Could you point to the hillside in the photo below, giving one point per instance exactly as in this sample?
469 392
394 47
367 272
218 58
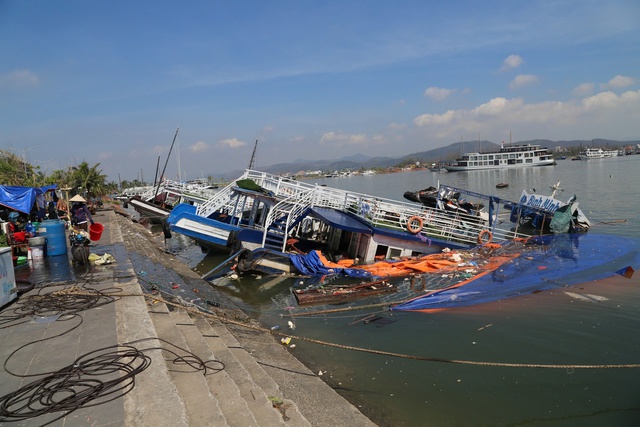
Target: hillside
442 154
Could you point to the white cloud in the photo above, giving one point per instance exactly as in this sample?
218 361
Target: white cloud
511 61
522 80
231 143
584 89
397 126
198 147
19 79
602 113
619 82
343 139
438 93
608 101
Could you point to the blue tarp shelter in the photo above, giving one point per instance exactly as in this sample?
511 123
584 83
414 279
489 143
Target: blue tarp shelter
22 199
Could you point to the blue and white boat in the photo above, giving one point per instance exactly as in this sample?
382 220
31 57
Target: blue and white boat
264 213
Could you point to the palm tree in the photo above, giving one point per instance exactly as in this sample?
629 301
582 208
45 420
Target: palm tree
89 178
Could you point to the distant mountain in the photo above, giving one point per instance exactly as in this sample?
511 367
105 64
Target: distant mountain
442 154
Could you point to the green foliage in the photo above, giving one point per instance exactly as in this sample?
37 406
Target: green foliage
83 179
15 171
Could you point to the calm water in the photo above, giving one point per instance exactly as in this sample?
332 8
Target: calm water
546 328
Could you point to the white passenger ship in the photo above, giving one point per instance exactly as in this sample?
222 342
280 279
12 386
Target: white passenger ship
511 156
598 153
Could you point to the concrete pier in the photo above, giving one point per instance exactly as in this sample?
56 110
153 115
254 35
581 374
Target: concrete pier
98 351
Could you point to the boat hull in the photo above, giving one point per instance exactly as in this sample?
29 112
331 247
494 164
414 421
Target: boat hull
207 232
453 168
154 213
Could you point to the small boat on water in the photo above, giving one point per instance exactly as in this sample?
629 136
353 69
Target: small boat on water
502 185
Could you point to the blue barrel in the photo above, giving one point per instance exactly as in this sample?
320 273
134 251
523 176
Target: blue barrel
54 231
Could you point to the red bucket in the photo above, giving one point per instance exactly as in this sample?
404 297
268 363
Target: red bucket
95 231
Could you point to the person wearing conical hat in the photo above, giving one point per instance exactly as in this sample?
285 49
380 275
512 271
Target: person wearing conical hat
80 212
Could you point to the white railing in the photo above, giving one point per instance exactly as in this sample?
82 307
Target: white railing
292 208
376 211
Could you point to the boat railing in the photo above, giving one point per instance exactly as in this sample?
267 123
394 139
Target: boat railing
378 212
289 209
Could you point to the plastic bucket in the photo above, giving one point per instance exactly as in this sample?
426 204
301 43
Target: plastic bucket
37 252
36 241
95 231
54 231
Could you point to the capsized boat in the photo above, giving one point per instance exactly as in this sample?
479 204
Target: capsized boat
156 203
268 216
491 272
533 214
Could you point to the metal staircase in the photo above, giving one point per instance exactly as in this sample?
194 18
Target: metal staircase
282 218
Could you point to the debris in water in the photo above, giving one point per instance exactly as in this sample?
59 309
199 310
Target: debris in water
626 272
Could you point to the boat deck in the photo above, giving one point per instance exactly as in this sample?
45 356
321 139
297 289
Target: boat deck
295 198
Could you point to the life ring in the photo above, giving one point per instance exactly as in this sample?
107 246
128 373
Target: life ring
481 237
414 224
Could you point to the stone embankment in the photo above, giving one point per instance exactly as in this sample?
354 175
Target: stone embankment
249 380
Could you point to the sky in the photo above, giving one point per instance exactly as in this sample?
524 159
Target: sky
111 82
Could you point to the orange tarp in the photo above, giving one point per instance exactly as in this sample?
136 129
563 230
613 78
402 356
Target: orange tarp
434 263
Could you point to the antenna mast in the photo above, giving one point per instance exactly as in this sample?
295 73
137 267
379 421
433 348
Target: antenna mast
253 155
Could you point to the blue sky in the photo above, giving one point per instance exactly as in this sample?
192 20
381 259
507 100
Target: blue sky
109 82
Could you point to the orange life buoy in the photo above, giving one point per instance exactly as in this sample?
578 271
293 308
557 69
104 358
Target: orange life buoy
414 224
481 237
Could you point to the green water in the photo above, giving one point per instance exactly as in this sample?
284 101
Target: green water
549 327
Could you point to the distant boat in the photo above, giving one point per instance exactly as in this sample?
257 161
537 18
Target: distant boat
599 153
437 167
502 185
511 156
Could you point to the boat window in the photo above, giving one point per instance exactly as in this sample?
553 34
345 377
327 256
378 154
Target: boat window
395 253
381 250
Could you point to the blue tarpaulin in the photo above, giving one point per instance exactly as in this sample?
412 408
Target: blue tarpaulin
311 265
22 199
556 261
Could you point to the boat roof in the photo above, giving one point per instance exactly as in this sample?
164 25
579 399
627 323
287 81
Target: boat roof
339 219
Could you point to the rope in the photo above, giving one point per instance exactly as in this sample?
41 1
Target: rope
81 383
387 353
94 378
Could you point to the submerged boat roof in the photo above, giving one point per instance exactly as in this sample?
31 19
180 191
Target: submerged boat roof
339 219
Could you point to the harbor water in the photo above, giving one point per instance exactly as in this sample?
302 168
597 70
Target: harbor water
551 327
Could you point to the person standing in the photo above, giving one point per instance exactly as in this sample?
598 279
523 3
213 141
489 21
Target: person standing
80 213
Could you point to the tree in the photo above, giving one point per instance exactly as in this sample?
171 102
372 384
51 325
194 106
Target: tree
15 171
89 178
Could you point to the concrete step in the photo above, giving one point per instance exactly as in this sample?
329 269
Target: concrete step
259 402
221 384
201 406
154 400
259 375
